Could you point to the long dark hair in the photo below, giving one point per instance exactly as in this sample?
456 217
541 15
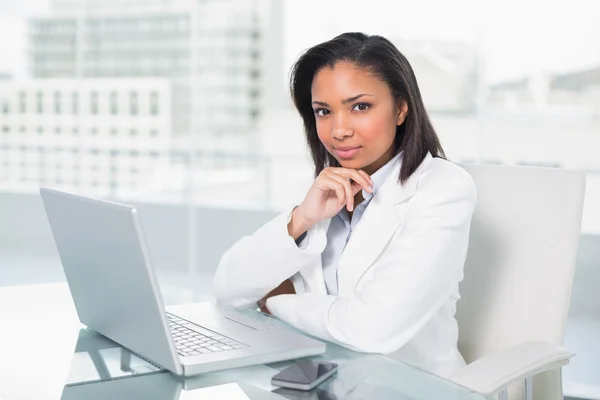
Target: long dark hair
415 137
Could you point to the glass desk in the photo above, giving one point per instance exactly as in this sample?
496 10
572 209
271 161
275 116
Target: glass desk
47 353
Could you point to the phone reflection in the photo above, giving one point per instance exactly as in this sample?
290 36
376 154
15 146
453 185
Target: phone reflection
315 394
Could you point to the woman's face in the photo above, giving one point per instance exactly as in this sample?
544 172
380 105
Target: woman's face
356 116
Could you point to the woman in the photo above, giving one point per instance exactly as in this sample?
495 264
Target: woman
372 257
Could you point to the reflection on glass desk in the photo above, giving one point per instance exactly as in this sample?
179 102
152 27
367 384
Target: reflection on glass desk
97 358
101 369
45 352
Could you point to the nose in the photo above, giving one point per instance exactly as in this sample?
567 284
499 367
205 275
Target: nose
341 128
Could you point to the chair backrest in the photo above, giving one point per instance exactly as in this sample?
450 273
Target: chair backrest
521 258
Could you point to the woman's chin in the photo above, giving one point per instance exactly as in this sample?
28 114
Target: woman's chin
352 164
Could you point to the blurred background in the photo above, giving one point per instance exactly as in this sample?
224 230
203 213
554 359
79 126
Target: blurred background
181 107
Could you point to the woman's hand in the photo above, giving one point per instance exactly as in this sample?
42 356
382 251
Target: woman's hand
286 287
333 189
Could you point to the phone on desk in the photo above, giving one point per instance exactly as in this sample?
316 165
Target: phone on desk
304 374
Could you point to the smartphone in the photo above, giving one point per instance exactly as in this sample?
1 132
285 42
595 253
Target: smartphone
304 374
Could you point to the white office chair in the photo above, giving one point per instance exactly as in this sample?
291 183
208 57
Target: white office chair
518 278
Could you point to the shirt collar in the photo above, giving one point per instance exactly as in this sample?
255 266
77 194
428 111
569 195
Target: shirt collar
380 176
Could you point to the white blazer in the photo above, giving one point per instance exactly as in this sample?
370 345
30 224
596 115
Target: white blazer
398 275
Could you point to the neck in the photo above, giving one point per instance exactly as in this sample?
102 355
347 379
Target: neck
358 198
380 162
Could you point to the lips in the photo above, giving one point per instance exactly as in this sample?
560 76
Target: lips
346 152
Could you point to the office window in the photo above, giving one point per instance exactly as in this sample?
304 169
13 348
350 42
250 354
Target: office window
40 102
22 102
94 103
75 103
114 105
57 105
154 103
133 103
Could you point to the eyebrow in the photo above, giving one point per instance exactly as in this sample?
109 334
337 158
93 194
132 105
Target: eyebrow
345 101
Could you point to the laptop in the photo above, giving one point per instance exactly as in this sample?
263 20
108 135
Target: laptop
116 293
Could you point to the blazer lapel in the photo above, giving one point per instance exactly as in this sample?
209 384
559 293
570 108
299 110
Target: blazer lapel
381 219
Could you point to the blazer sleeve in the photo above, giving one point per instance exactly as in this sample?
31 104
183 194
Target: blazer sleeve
258 263
412 279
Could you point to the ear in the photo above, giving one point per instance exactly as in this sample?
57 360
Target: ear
402 112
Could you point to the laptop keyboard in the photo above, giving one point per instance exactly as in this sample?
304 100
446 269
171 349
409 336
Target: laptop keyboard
196 341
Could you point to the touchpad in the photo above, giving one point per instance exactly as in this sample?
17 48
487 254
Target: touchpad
240 323
207 316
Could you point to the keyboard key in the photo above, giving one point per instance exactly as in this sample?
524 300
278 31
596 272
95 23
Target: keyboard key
190 338
199 329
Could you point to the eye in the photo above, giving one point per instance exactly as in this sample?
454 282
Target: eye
321 112
361 106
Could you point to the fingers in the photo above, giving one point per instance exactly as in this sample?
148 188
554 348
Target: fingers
356 187
262 305
341 186
349 196
329 183
345 182
358 176
367 177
